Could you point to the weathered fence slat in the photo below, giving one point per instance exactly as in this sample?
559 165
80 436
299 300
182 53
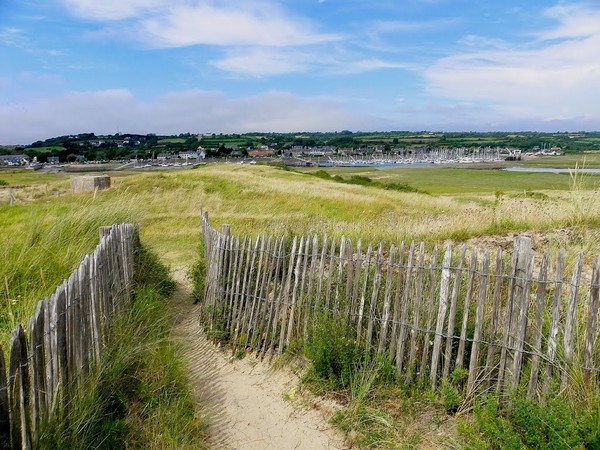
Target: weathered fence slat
430 314
540 307
19 391
417 307
508 331
231 277
297 272
329 277
396 302
452 312
258 302
490 365
238 297
4 403
280 299
403 310
555 321
570 325
363 295
474 368
314 258
38 366
439 324
374 297
302 297
386 301
466 310
523 284
592 323
288 286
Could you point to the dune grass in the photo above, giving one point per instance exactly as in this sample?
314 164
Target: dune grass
44 238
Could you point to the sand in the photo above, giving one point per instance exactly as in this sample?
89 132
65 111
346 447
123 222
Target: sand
249 404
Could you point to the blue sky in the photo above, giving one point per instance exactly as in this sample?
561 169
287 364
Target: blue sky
141 66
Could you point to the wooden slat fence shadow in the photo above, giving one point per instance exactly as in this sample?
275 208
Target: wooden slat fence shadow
66 336
500 324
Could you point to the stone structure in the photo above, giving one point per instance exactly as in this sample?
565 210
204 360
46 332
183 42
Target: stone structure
90 183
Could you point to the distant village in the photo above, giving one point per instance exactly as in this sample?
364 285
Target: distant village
324 149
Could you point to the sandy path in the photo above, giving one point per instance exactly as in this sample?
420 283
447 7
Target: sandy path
244 399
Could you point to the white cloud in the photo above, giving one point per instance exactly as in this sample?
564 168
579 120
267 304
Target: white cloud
189 111
13 37
244 23
261 61
576 20
112 9
369 65
258 37
543 81
408 26
181 23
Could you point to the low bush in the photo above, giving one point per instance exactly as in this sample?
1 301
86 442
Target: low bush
361 180
525 424
331 346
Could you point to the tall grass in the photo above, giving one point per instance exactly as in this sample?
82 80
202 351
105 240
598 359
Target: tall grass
138 396
39 247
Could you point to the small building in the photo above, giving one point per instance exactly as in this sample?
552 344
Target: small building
14 160
189 155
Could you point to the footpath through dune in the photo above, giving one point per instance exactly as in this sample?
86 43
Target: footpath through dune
250 405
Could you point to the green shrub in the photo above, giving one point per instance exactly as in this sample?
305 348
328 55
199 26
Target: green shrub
525 424
2 182
322 174
450 396
360 180
331 346
402 187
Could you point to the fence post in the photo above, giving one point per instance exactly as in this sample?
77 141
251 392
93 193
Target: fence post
4 406
439 326
592 323
19 391
569 336
520 305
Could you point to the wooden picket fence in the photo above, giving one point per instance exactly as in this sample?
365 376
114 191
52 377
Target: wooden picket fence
65 338
510 321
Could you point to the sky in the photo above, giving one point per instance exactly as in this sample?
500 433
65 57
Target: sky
221 66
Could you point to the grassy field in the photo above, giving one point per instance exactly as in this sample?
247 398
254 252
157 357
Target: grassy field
49 229
461 204
454 181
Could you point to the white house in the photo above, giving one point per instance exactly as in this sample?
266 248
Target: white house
14 160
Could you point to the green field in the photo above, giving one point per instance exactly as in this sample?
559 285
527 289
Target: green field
171 141
466 181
